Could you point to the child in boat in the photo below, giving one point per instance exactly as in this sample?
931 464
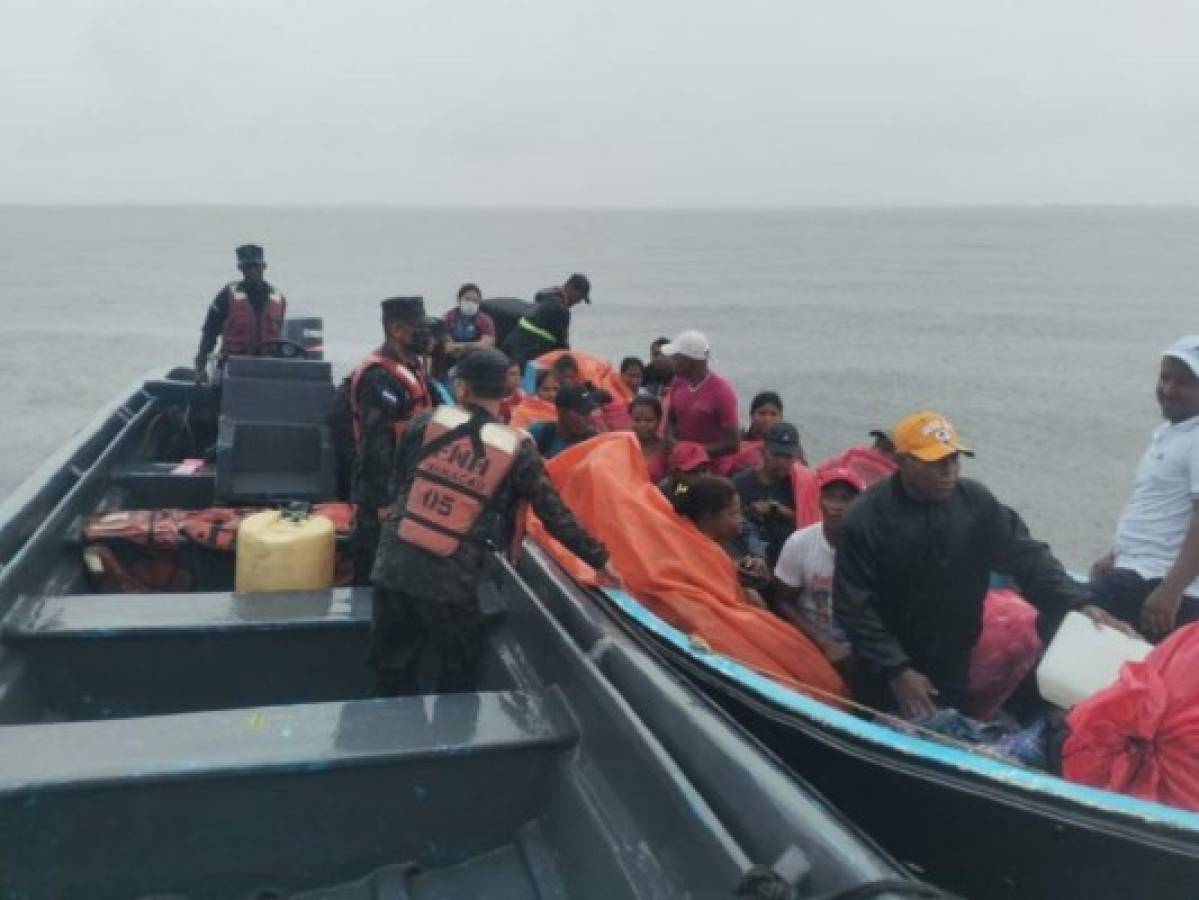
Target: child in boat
515 395
566 368
632 373
804 572
767 492
645 413
765 411
547 385
687 462
711 503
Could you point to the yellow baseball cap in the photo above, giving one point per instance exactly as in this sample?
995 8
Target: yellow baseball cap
928 436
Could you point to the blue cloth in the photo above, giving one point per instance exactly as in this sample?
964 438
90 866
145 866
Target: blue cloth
1004 736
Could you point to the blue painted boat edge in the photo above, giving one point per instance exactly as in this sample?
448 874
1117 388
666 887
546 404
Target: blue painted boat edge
825 715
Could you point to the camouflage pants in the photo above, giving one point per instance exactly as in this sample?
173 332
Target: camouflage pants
364 543
425 645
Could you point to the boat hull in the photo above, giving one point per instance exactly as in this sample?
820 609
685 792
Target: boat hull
976 834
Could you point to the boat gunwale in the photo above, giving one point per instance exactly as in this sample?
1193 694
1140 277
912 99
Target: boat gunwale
36 491
1144 821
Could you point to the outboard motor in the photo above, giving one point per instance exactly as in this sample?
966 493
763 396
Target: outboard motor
273 436
309 333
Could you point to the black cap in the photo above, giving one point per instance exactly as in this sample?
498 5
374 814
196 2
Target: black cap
782 438
486 371
578 399
581 285
409 310
250 253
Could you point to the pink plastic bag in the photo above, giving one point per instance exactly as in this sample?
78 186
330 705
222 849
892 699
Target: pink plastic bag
1006 652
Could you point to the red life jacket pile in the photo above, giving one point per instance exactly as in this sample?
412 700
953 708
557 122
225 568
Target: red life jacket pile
1141 735
172 550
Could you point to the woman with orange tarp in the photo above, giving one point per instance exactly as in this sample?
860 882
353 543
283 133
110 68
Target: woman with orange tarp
669 566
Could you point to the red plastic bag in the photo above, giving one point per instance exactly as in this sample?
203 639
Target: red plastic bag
1006 652
1141 735
867 464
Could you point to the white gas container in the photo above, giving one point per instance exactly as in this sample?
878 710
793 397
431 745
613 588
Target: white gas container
1084 658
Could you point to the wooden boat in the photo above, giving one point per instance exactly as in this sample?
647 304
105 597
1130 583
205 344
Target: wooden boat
970 822
212 744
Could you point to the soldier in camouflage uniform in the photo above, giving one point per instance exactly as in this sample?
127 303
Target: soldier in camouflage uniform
462 477
387 390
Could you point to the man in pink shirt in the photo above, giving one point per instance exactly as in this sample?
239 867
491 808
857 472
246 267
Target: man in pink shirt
702 405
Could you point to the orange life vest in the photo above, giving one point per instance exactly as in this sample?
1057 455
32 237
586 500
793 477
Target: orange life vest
244 328
413 381
462 466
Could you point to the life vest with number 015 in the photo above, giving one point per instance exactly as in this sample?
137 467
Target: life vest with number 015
414 383
244 328
463 461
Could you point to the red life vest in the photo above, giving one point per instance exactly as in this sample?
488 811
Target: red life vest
413 381
453 484
245 329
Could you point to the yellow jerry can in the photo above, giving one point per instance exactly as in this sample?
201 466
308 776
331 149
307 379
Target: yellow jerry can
285 551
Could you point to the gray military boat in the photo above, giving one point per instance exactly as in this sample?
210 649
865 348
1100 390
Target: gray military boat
199 743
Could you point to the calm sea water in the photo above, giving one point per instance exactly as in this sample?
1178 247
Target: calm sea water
1037 331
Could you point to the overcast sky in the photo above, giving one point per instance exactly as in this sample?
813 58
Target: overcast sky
600 103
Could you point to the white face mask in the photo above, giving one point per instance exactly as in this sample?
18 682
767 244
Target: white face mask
469 307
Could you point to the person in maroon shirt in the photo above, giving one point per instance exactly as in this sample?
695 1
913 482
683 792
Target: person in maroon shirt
702 405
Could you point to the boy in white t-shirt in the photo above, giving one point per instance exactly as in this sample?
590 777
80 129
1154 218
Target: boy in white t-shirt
804 571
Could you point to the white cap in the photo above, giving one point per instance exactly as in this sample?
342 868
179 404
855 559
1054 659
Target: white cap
691 344
1187 350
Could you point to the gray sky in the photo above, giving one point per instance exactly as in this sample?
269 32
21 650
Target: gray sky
607 102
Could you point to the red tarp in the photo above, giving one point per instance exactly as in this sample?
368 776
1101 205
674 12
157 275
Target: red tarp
1141 735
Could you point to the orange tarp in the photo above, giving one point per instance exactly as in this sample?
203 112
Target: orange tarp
594 369
532 409
669 566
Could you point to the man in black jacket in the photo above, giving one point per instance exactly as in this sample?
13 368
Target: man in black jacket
547 326
914 566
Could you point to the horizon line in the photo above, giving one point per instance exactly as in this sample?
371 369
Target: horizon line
606 208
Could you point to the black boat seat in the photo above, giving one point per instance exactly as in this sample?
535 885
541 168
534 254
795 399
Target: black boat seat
273 438
155 485
111 616
106 656
283 798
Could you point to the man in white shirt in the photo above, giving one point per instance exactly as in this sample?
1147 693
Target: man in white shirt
804 571
1149 579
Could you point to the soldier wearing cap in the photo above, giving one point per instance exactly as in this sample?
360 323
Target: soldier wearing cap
245 314
387 390
547 326
914 565
1151 577
462 476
